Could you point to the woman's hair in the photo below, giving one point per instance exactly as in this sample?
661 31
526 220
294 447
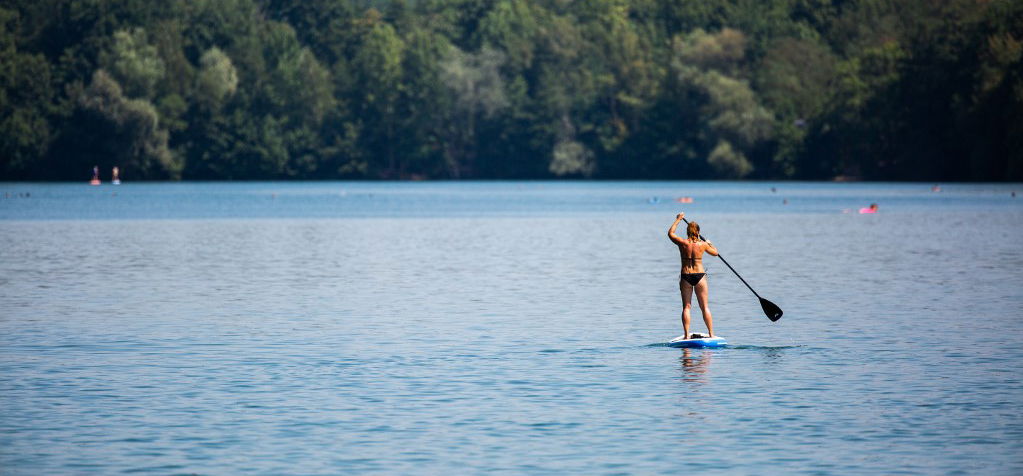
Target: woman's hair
693 231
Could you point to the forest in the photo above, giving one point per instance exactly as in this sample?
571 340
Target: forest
928 90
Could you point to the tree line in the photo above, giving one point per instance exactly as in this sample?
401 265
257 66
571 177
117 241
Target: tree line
512 89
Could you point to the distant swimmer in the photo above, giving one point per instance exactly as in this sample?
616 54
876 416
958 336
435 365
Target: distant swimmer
693 276
935 188
871 209
684 199
116 176
95 175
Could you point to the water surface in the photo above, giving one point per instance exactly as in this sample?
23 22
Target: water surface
516 327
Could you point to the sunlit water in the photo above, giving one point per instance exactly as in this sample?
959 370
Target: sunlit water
327 328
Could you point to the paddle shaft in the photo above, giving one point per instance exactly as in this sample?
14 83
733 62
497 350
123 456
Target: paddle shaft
722 258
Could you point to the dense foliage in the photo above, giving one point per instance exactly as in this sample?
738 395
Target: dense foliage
667 89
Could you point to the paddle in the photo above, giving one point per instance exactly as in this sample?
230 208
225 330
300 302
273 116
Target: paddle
773 312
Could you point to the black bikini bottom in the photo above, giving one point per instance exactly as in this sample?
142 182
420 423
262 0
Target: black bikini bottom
693 278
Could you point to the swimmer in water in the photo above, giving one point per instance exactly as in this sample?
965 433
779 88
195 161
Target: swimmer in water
872 209
693 276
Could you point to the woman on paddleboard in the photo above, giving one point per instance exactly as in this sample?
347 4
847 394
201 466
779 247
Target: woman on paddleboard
693 275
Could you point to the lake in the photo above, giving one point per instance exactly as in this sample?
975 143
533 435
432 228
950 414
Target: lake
507 327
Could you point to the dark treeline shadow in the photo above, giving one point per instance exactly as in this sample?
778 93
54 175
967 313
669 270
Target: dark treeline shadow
512 89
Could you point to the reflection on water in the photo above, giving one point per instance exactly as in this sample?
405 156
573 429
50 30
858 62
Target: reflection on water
695 364
773 355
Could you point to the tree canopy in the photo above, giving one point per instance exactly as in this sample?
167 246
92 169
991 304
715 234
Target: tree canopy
484 89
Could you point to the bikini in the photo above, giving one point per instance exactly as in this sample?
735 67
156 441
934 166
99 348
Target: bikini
692 278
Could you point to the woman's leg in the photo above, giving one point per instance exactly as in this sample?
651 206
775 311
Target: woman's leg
687 302
701 296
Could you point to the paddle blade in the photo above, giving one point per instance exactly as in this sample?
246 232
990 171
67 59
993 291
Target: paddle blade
773 312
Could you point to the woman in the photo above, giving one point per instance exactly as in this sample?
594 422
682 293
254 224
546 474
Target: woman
693 275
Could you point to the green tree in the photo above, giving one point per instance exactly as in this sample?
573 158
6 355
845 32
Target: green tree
794 80
268 89
735 122
217 79
134 63
378 72
26 103
131 133
477 88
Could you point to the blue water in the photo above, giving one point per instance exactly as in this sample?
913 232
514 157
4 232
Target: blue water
510 327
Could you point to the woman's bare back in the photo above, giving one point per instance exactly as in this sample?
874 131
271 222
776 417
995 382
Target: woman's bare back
691 253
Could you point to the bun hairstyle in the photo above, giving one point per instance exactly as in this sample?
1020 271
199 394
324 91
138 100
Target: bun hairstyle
693 231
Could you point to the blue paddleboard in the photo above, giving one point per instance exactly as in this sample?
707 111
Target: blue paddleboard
698 342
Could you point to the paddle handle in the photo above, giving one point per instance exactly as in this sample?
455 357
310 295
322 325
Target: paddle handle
722 258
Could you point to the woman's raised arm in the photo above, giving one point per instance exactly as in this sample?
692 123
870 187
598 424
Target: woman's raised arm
671 231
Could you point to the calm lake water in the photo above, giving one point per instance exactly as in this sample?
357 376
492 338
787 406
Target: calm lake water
509 327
